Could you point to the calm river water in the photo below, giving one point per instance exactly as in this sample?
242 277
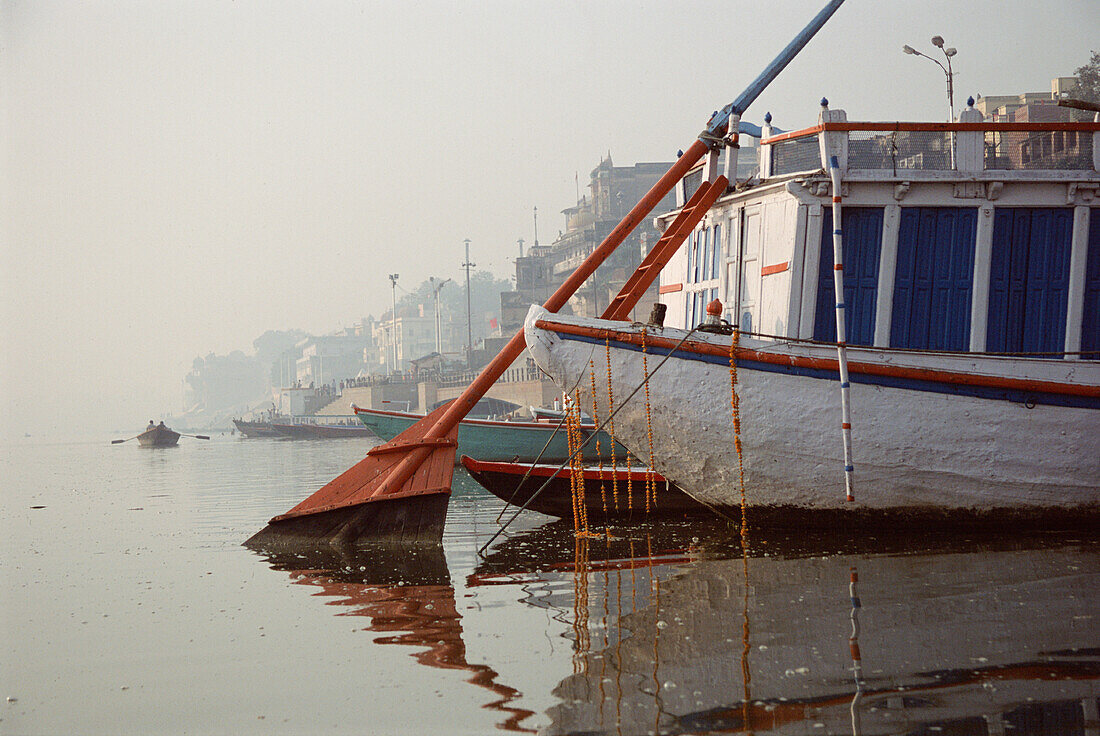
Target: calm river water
129 606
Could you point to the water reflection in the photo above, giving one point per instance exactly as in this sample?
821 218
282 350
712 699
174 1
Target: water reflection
827 634
673 629
407 598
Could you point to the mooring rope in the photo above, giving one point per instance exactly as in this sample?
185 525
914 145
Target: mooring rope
611 411
599 455
571 445
578 461
735 406
650 483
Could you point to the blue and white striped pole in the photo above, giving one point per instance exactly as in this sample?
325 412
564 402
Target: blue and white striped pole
841 331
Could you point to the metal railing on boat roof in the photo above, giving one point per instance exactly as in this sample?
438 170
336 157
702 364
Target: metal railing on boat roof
965 147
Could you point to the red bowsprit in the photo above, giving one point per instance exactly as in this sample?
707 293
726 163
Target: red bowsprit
397 493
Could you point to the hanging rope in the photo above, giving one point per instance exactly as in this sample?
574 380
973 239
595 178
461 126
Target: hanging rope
735 406
578 462
611 427
596 422
650 482
571 444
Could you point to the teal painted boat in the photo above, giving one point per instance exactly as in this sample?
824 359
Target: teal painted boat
498 441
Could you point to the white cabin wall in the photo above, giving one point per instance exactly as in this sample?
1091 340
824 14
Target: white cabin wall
979 297
798 260
780 215
730 280
811 262
671 290
748 316
1075 299
887 270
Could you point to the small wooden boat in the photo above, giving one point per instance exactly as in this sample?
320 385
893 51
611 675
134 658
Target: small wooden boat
506 482
492 440
158 436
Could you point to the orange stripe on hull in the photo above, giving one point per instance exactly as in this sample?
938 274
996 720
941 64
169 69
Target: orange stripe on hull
830 364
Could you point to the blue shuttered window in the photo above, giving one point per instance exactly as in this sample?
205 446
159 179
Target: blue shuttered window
862 236
1090 322
1029 280
934 278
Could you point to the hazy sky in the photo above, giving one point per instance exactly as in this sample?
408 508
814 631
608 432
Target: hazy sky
179 177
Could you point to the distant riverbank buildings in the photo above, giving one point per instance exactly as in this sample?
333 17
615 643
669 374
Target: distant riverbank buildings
612 192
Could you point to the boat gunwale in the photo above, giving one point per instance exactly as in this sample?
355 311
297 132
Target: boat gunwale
546 470
702 347
483 422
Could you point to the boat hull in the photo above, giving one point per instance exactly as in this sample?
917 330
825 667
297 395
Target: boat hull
958 436
321 431
608 495
489 440
255 429
158 437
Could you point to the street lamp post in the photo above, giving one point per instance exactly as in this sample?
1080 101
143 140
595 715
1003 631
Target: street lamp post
949 52
438 334
393 319
469 330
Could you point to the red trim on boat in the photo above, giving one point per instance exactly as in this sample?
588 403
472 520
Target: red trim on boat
670 288
416 417
873 369
776 268
547 471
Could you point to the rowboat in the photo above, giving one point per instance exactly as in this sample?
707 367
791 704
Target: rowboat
491 440
611 493
158 436
964 385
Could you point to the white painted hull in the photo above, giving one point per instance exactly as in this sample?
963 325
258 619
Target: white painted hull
915 449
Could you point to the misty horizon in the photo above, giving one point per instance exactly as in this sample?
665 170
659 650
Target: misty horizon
180 177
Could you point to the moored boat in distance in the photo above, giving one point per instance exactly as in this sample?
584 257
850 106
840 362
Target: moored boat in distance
492 440
308 430
256 428
612 494
970 317
158 436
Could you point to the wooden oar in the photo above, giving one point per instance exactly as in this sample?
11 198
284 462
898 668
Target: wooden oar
196 436
119 442
400 490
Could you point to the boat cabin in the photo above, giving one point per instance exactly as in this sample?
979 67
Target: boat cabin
968 236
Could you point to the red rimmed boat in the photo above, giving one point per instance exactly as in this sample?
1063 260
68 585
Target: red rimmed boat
507 482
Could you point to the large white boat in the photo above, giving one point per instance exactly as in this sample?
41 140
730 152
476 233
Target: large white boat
971 305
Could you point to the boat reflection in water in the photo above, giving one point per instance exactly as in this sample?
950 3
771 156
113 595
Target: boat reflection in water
410 600
673 630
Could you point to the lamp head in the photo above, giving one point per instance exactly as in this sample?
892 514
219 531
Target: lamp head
908 49
937 41
950 51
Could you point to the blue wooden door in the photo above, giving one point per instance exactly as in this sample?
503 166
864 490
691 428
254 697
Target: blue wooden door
862 234
934 278
1029 280
1090 321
